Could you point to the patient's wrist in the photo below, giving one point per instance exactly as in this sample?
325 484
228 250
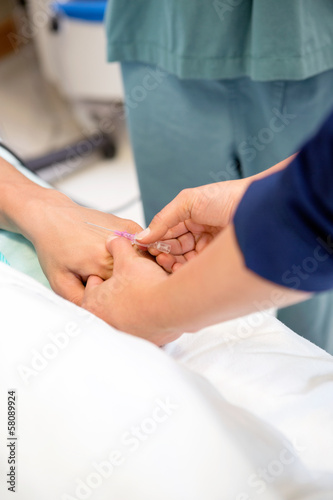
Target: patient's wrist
18 194
24 204
42 205
14 208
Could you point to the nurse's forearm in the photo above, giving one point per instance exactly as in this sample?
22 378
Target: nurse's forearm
279 166
224 288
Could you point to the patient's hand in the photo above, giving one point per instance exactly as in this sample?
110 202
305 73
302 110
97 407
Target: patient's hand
68 249
127 300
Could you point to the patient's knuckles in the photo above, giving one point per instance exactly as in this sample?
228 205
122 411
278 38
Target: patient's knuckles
125 225
133 227
56 283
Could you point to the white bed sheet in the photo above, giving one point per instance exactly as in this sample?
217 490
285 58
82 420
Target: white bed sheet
84 391
259 364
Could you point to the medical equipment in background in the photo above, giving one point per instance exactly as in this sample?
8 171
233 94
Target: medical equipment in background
71 47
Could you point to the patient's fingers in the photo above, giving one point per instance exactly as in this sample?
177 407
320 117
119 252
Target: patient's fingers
171 262
186 243
167 261
70 287
179 246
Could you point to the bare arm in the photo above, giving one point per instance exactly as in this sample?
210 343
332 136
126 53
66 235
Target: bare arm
276 168
68 249
216 286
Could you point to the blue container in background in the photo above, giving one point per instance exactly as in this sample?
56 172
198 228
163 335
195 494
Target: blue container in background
86 10
79 45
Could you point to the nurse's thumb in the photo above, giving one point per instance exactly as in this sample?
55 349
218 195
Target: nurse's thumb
171 215
92 282
120 248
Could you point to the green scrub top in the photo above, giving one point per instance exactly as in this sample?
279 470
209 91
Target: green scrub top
217 39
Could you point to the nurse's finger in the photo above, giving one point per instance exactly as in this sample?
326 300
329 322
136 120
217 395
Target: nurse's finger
121 250
184 227
177 211
176 231
203 241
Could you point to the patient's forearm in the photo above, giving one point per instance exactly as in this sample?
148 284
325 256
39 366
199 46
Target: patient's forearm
21 200
17 194
224 288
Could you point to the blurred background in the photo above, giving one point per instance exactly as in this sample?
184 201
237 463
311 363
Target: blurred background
61 103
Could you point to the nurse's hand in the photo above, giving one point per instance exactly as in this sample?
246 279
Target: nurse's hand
196 216
193 219
127 300
69 250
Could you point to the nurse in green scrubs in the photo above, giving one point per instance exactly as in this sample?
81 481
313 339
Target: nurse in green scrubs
217 90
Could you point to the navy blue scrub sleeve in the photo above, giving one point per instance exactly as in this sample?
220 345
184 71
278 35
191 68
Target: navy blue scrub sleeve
284 223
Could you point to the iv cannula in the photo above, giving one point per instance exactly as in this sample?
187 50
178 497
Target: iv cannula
159 245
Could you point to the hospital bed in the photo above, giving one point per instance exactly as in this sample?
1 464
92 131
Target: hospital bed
242 410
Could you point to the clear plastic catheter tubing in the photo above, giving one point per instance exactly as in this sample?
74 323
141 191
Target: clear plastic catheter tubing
161 246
